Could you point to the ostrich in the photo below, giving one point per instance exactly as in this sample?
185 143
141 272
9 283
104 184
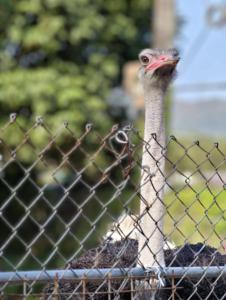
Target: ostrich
156 72
146 247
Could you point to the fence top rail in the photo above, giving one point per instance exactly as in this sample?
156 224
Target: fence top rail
94 274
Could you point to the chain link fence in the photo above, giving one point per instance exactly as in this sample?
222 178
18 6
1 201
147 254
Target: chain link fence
69 215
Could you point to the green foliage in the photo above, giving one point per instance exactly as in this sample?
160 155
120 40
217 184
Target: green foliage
196 204
59 58
196 214
186 154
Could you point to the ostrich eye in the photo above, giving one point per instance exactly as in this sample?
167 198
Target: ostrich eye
144 59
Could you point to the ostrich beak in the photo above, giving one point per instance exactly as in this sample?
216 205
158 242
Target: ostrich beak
161 61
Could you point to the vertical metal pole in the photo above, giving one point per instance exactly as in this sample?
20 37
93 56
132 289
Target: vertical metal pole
173 288
109 286
84 288
132 287
25 289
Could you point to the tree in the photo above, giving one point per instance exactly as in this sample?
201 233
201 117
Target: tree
59 58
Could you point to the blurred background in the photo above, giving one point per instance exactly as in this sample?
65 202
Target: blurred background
76 61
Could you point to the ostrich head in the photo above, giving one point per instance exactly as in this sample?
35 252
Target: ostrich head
157 67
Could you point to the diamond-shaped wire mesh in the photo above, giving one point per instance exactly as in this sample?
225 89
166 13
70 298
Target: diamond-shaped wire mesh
71 202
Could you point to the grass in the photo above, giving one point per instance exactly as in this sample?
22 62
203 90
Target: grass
196 214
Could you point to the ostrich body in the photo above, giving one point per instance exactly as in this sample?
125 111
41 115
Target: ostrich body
107 255
156 72
126 228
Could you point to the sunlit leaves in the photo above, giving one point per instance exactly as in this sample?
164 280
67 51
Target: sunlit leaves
60 58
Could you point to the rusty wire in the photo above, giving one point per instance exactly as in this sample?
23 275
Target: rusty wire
66 197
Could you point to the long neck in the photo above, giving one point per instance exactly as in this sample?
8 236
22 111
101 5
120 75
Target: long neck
152 182
154 114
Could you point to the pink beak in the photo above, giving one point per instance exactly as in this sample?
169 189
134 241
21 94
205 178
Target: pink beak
161 61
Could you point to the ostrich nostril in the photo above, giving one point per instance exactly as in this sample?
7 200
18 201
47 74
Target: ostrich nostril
162 58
